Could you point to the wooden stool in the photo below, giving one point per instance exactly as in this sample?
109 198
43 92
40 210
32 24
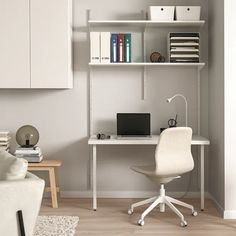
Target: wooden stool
51 167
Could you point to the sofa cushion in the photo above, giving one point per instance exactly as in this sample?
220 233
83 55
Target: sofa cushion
12 168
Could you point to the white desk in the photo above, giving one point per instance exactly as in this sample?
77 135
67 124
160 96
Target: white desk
196 140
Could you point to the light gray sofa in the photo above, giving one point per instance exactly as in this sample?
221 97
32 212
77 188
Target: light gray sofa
20 195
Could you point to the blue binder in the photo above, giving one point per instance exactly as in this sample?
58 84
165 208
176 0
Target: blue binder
114 48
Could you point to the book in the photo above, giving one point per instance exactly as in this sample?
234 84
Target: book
121 48
28 152
4 143
127 47
114 48
95 47
28 148
105 47
4 133
33 159
4 139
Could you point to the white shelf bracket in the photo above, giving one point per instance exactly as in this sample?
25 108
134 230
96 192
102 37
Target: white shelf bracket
144 79
144 83
198 120
198 100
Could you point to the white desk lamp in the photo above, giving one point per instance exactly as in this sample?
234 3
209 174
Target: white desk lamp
186 105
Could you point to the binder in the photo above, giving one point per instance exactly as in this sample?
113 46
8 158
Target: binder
128 47
95 47
121 48
105 47
114 48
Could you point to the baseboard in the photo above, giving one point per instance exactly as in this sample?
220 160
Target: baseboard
124 194
229 215
219 208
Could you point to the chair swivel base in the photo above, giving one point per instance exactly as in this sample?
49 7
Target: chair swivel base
162 200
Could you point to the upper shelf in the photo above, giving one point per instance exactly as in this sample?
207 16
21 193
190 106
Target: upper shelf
166 64
146 23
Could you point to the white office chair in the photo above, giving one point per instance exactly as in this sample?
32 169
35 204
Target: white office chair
172 158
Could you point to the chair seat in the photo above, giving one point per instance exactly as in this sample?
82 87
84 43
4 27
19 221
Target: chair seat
150 172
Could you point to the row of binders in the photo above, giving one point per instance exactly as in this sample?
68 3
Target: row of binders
4 141
107 47
31 154
184 47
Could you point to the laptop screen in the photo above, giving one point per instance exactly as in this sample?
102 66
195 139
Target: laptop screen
133 124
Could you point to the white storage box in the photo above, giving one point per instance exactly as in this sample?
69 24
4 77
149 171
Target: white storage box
161 13
188 13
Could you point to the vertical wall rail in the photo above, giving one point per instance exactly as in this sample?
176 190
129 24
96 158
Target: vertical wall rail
144 58
144 82
90 79
90 103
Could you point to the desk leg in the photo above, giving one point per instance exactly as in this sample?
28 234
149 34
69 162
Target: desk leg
202 177
94 177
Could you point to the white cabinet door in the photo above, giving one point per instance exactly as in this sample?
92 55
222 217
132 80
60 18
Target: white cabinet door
51 44
14 44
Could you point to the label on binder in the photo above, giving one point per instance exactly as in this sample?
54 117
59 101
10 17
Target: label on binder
105 47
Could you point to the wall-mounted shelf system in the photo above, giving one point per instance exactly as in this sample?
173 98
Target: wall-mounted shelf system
142 25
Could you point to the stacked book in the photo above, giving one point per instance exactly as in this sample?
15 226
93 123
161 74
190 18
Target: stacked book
184 47
31 154
107 47
4 141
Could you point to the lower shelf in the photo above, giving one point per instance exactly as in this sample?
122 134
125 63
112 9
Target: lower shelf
167 64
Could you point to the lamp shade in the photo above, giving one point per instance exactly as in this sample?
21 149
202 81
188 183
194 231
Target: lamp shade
27 136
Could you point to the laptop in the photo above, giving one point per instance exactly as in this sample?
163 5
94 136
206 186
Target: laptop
133 125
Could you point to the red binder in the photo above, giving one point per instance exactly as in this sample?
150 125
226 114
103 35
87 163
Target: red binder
121 48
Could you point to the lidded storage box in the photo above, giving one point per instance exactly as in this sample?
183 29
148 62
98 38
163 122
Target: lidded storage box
161 13
188 13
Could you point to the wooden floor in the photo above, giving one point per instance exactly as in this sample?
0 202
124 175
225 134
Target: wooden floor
111 218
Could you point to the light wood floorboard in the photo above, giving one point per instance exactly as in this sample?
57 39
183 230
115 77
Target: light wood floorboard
111 218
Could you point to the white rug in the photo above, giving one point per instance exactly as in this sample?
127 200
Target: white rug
56 225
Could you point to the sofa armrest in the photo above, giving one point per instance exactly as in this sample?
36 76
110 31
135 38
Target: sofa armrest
25 195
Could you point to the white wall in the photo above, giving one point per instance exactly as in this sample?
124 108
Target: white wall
61 116
216 101
230 110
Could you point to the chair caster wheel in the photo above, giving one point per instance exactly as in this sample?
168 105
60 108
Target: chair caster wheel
141 222
130 212
183 223
194 213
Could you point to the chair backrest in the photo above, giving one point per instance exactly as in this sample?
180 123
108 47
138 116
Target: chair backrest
173 153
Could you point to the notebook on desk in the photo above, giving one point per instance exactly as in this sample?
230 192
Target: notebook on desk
133 125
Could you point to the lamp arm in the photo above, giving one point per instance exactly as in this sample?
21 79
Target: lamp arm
186 106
